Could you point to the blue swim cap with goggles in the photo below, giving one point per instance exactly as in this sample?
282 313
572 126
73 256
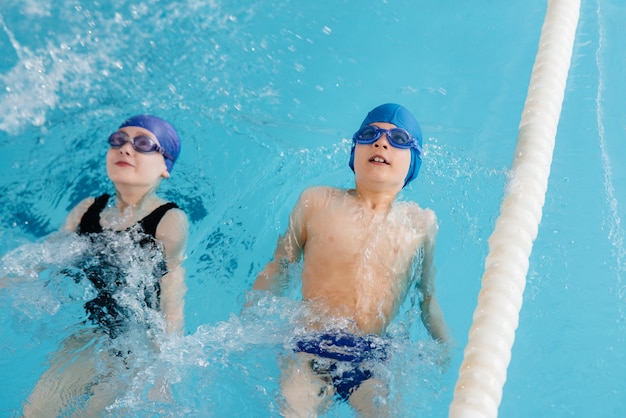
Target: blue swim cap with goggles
162 130
408 134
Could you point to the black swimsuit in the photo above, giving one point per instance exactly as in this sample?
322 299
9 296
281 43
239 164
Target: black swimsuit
117 258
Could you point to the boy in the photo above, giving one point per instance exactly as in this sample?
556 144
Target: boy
362 252
137 244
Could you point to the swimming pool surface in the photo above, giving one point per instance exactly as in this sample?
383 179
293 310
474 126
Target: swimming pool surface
264 95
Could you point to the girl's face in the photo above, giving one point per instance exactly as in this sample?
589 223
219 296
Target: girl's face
127 166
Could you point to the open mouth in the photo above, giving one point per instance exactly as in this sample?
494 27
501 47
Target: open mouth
378 159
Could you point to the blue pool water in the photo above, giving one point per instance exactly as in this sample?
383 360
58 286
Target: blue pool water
264 94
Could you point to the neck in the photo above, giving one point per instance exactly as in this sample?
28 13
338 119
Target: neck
377 200
134 198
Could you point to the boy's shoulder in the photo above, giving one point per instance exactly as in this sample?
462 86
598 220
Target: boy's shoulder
413 211
413 207
315 198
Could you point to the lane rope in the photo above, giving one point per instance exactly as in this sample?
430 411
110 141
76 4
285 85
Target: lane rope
482 374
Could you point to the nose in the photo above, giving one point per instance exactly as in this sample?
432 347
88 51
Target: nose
382 141
125 149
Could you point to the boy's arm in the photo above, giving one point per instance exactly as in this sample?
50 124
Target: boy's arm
288 249
173 232
432 316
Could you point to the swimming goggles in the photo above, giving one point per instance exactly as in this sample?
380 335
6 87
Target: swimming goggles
397 137
141 143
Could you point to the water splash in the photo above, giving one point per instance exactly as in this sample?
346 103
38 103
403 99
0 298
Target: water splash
614 221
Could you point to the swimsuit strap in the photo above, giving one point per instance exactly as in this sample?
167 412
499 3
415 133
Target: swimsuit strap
150 222
90 222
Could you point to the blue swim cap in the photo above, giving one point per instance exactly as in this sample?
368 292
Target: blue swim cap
402 118
164 132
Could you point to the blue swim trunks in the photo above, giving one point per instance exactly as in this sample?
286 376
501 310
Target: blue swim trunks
344 360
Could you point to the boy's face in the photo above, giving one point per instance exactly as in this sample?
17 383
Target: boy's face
127 166
380 162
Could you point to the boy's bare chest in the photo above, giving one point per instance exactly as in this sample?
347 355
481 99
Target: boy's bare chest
342 236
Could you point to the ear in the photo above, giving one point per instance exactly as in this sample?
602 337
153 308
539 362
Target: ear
165 174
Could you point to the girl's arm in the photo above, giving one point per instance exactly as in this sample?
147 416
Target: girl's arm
173 232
